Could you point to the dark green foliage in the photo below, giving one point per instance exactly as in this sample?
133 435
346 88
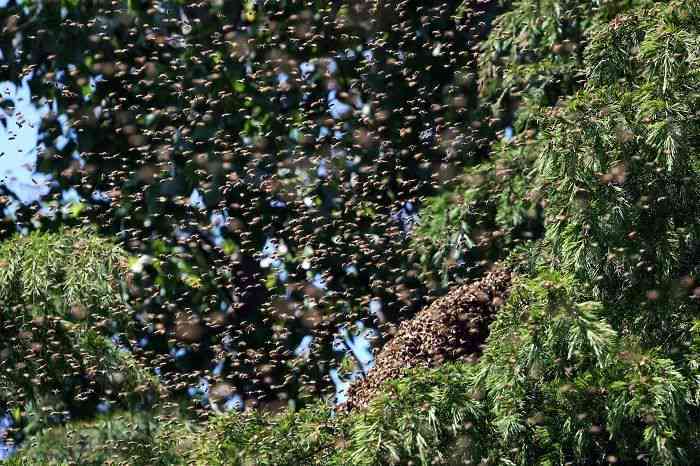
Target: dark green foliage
428 416
495 210
531 61
535 54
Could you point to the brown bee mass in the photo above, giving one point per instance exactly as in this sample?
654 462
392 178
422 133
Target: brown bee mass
453 327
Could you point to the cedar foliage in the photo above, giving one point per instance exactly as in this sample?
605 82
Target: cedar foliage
61 304
595 356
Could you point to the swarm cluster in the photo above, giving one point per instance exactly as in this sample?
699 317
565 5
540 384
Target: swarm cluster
453 328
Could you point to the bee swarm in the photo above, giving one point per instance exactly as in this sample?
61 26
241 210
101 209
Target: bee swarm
454 327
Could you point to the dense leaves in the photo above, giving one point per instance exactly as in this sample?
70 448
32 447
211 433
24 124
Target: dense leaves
61 305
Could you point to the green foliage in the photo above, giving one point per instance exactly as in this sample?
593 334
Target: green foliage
620 169
61 304
556 385
58 272
590 382
429 417
254 438
532 60
534 54
125 439
563 386
494 211
567 387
